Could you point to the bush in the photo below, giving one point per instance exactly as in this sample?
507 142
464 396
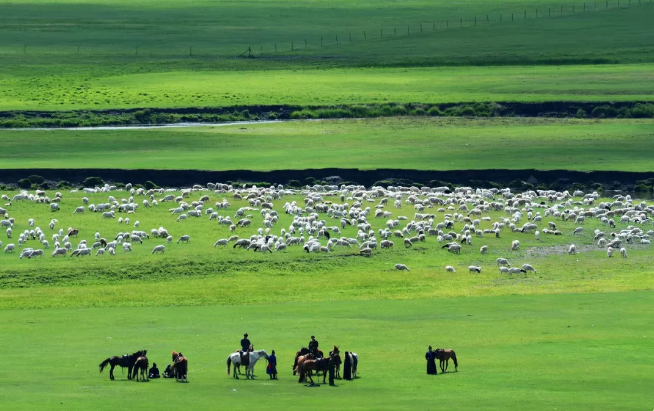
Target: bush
643 111
25 183
143 116
466 111
604 112
44 186
581 113
93 182
150 185
36 179
64 184
310 180
642 188
294 184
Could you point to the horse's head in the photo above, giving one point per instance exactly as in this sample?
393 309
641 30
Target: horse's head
263 353
175 355
336 349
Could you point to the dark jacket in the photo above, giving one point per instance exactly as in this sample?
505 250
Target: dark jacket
245 344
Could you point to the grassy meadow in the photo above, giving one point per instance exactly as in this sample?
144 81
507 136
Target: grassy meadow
407 143
526 352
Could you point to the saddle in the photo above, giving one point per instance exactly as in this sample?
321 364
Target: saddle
245 357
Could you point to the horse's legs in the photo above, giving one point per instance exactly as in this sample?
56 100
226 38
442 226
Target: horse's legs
111 372
234 373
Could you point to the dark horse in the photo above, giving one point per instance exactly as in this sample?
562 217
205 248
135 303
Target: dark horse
444 357
180 366
303 352
125 361
141 364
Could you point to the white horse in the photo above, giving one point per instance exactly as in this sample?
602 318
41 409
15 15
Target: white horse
254 357
354 358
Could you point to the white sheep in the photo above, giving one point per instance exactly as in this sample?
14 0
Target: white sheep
100 252
609 252
136 223
78 210
483 249
169 239
528 267
184 239
516 270
515 245
503 261
450 269
623 251
572 250
127 247
182 217
504 270
474 269
59 251
222 241
578 230
402 267
159 249
537 234
30 222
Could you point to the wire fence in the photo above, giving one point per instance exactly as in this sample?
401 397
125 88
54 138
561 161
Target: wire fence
285 47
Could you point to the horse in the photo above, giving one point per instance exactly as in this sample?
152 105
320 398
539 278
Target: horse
355 362
254 356
141 364
444 356
307 364
336 356
180 366
124 361
303 352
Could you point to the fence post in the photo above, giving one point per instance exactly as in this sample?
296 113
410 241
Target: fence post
447 24
433 25
365 36
395 31
320 41
511 16
336 39
261 53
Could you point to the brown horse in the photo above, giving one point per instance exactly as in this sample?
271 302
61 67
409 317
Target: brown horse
302 353
444 356
336 356
141 364
307 365
124 361
180 366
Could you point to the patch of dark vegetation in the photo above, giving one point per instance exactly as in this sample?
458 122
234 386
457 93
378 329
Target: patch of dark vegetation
162 116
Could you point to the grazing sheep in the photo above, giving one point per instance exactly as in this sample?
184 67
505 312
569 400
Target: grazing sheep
159 249
386 244
504 270
537 234
516 270
453 248
366 252
54 207
407 243
609 252
474 269
528 267
169 239
515 245
503 261
572 250
78 210
450 269
222 241
401 267
623 251
483 249
59 251
184 239
100 251
578 230
127 247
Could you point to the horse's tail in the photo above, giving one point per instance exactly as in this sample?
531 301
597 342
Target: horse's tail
104 364
300 370
456 364
229 364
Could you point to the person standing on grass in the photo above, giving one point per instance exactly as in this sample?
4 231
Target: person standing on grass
431 362
272 366
332 368
347 367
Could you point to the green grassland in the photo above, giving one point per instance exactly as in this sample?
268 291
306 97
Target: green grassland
41 69
407 143
581 351
203 275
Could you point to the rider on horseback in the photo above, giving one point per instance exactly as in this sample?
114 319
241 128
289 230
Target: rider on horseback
246 348
313 346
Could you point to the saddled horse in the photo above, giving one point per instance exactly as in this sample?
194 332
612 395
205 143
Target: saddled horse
303 352
444 356
253 357
141 364
180 366
124 361
307 364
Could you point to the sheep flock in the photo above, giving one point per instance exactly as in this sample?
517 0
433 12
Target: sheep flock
327 220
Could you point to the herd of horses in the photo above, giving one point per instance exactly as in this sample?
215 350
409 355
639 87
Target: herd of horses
137 364
306 363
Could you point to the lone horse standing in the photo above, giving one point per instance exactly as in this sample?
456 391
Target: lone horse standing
444 356
253 357
124 361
